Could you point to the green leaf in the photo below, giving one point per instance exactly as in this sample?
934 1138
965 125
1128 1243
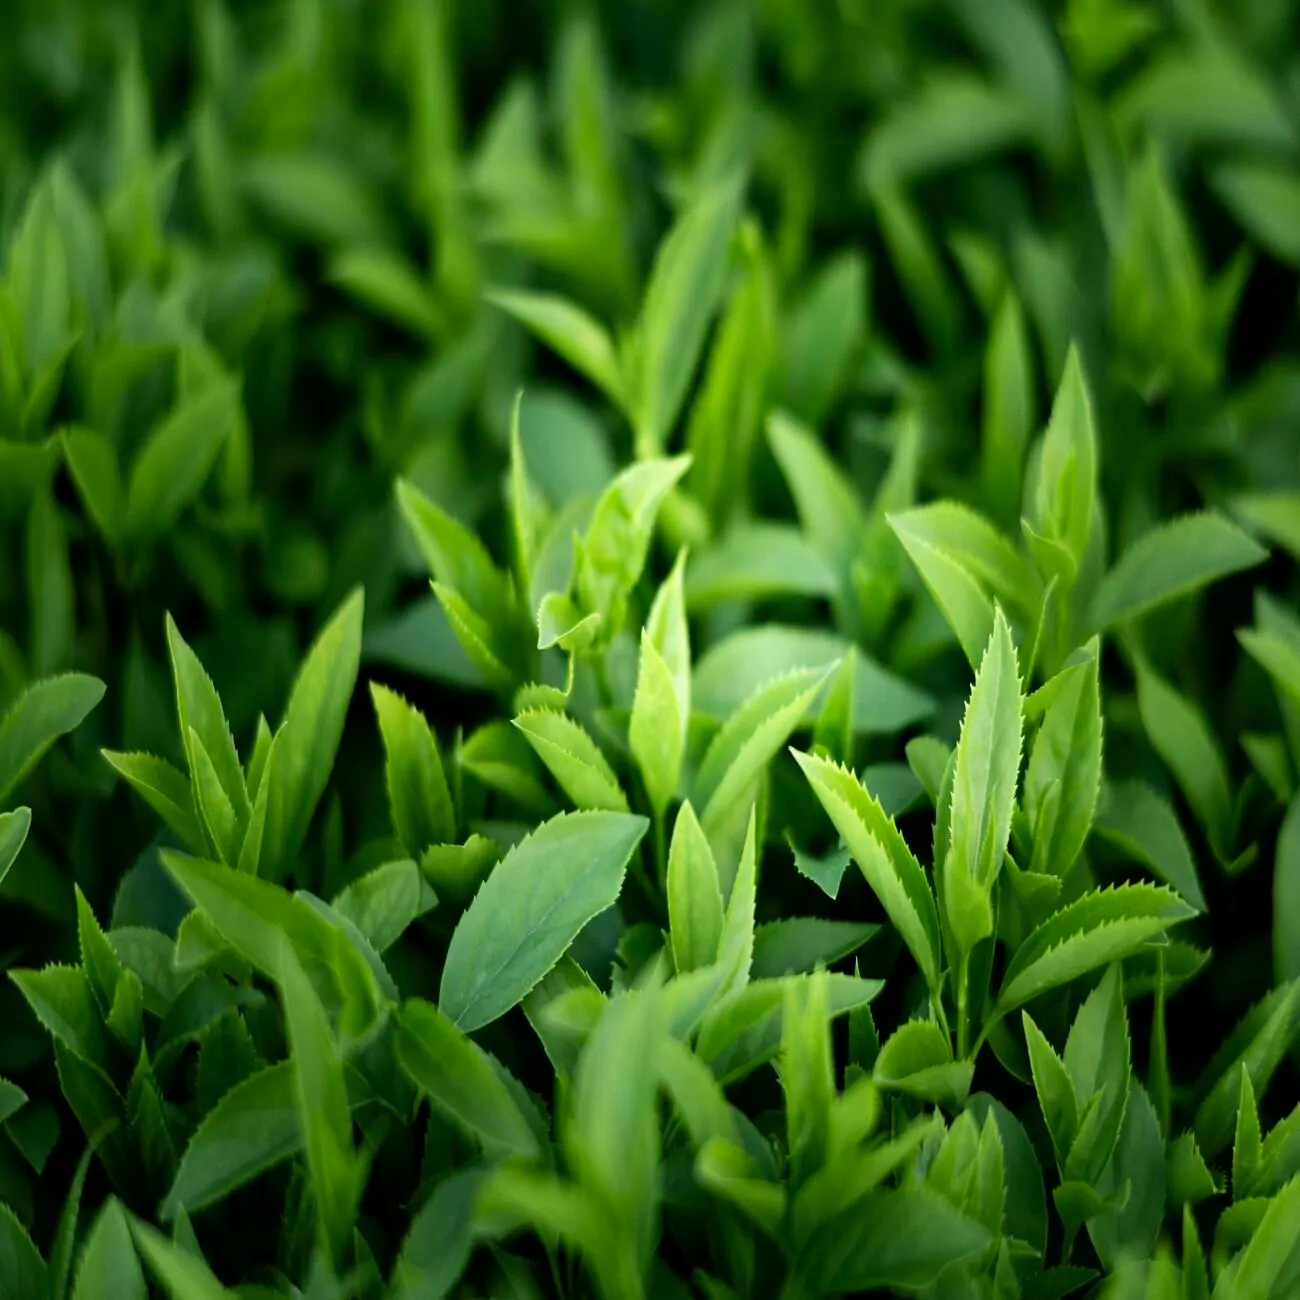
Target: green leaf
176 458
694 895
1286 897
337 1172
93 464
252 915
831 512
807 1075
109 1268
438 1242
1008 412
573 758
457 870
1188 1176
1168 562
165 790
565 327
611 554
827 871
184 1275
22 1270
463 1082
682 294
1064 772
419 801
530 909
884 858
387 283
252 1128
889 1239
986 769
1205 93
917 1059
758 561
749 740
735 667
1056 1096
657 728
1180 735
1099 928
63 1000
1264 196
1097 1058
960 598
43 712
1257 1045
13 835
825 329
1136 820
1274 514
800 944
1066 494
385 901
1269 1258
309 736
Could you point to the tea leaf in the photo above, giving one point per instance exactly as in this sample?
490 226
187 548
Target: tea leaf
460 1079
529 910
1134 818
1286 898
165 790
418 798
694 895
884 858
1099 928
309 736
109 1268
42 713
1169 562
573 758
13 835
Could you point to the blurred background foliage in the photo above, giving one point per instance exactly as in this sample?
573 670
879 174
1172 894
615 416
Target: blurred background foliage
247 252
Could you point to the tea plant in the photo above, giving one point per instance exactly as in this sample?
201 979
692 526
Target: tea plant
640 754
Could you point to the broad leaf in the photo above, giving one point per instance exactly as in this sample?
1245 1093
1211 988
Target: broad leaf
41 714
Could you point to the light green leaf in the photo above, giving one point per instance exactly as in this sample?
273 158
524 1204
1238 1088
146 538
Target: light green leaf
43 712
1180 735
337 1171
462 1081
309 736
830 508
530 909
175 460
184 1275
573 758
1064 772
917 1059
419 801
750 739
759 561
682 294
165 790
1008 409
253 915
1275 514
694 895
1055 1089
656 730
109 1268
1066 494
385 901
565 327
1269 1258
1101 927
733 668
1168 562
985 773
884 858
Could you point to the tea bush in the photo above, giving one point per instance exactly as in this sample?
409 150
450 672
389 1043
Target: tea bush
650 649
